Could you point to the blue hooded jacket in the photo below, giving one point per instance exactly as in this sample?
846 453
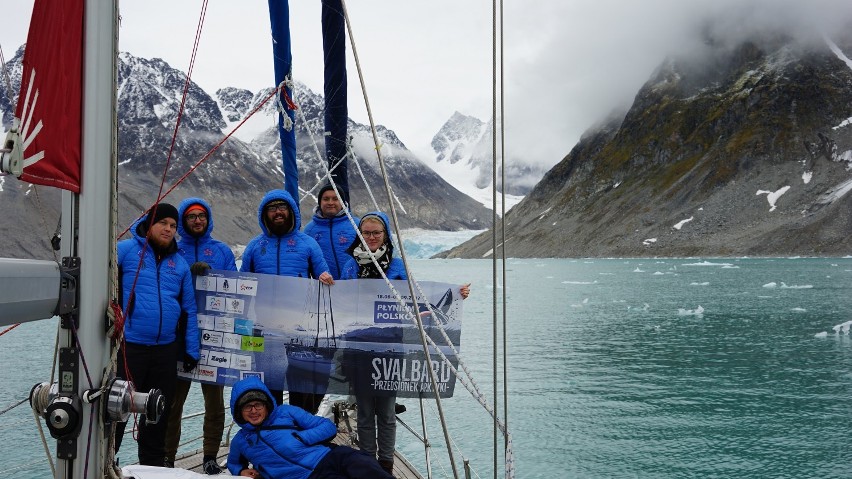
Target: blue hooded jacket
163 290
396 268
203 248
287 444
292 254
334 235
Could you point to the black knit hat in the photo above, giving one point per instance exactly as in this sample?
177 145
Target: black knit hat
253 395
325 188
164 210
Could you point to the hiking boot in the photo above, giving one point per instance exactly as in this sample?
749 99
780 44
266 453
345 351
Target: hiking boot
398 408
387 466
211 467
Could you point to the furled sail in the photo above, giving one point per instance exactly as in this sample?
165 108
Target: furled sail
48 116
279 17
336 114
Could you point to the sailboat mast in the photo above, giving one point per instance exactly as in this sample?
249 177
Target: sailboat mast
336 113
90 238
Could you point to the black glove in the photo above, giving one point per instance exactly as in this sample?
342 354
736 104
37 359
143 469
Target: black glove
199 268
189 363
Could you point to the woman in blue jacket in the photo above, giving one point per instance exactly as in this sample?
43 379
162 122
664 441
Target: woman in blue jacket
287 442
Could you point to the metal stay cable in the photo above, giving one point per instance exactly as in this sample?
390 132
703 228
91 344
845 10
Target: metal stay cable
432 372
494 223
509 458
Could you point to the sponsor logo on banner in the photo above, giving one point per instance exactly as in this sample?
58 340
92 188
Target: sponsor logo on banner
202 356
251 374
205 321
211 338
205 283
206 373
241 361
219 359
232 341
252 343
247 287
215 303
225 285
234 306
243 326
224 324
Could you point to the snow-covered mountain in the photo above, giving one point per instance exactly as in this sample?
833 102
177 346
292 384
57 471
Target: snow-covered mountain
240 170
463 155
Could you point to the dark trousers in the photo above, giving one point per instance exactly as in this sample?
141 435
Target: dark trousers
307 401
343 462
214 418
151 367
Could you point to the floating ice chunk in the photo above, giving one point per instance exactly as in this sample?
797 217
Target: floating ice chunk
799 310
707 263
637 270
580 282
705 283
796 286
697 312
658 273
821 335
842 328
773 284
730 266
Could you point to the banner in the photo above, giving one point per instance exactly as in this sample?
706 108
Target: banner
297 334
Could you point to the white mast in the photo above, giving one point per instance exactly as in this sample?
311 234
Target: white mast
92 243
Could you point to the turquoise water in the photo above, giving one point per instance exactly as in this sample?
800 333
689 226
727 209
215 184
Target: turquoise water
607 378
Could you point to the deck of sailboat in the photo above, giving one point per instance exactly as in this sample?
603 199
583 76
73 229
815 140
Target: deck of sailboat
402 469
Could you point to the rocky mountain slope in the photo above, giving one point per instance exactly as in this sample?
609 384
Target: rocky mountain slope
237 174
743 149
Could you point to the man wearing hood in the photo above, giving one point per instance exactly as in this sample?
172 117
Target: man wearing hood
331 228
286 441
202 253
283 250
156 289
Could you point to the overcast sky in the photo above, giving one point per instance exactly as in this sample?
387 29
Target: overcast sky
568 62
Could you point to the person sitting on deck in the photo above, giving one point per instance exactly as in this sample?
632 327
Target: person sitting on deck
288 442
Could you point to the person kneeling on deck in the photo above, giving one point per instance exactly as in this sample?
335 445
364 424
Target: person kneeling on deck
288 442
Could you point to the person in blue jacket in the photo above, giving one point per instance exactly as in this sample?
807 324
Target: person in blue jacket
288 442
156 289
377 414
331 228
202 252
283 250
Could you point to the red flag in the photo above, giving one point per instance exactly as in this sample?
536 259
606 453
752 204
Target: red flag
50 101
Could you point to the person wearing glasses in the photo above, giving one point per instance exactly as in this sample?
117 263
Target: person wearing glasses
286 441
331 228
202 252
283 250
377 414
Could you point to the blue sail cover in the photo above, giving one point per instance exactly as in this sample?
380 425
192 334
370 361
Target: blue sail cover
279 17
336 114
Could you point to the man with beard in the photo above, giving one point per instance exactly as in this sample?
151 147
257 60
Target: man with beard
331 228
283 250
156 289
202 252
